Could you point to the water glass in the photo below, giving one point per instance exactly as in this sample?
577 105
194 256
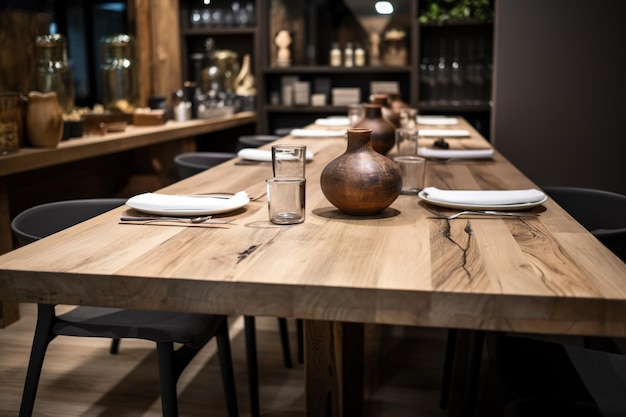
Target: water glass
406 141
286 199
413 172
355 112
289 160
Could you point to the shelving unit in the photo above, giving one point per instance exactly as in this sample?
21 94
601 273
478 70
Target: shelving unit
316 25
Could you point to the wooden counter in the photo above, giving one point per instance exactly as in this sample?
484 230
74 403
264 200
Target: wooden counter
81 149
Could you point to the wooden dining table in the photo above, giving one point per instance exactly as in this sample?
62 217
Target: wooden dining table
405 266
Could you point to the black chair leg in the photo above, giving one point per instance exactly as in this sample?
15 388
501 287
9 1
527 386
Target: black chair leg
448 367
251 358
284 339
115 346
168 377
300 329
226 367
42 338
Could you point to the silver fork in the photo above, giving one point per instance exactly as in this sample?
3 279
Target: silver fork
193 220
484 213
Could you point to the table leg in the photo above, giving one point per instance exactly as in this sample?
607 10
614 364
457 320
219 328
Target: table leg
334 368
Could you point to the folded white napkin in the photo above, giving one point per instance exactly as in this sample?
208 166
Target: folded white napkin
444 133
165 202
333 121
313 133
455 153
494 197
436 120
263 155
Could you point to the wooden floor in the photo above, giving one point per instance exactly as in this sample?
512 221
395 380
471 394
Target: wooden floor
80 377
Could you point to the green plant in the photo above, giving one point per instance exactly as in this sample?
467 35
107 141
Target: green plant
438 11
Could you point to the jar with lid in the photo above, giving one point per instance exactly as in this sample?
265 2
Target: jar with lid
119 73
53 72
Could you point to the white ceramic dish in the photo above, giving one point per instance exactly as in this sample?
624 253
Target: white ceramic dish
465 206
313 133
146 204
444 133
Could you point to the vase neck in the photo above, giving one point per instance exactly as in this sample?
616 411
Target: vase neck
372 111
358 139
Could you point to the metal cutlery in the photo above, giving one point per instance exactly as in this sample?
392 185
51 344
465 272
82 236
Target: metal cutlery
192 220
484 213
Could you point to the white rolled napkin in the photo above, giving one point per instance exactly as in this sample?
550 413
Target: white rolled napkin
152 202
444 133
455 153
316 133
263 155
333 121
484 197
436 120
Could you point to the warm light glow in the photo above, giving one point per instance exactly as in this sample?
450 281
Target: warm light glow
207 2
383 7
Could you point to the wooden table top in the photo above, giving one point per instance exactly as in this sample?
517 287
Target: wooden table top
543 274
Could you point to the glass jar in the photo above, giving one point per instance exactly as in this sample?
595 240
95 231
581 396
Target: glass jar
119 73
10 123
53 72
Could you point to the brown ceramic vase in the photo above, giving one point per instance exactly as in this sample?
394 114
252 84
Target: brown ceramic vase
383 135
388 111
361 182
44 119
396 103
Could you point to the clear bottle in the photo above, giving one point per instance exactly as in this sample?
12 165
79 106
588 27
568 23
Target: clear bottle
359 56
348 55
119 73
53 72
211 75
335 55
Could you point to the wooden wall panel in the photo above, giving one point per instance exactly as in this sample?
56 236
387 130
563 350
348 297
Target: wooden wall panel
17 47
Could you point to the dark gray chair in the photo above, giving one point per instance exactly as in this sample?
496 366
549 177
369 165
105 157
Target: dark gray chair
254 141
192 331
192 163
188 164
600 212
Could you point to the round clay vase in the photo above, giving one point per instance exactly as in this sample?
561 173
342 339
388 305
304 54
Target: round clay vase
389 112
361 182
383 135
44 119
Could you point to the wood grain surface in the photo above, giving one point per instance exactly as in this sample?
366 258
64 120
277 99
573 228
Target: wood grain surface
544 274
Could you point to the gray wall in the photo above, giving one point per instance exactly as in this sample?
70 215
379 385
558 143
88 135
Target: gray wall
560 90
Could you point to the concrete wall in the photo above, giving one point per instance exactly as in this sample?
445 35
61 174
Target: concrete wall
560 90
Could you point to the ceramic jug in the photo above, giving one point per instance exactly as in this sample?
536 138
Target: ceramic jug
44 119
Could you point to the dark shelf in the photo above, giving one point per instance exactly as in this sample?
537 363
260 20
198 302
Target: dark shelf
217 31
455 108
305 109
327 69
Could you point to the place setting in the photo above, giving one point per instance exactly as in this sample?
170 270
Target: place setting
197 210
255 156
500 203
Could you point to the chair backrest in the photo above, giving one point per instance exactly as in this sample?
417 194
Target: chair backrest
600 212
255 141
192 163
43 220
